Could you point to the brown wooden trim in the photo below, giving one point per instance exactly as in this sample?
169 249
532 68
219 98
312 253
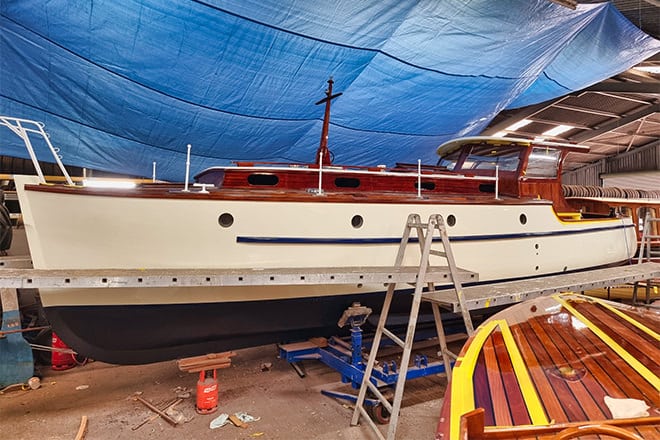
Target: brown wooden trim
289 196
528 431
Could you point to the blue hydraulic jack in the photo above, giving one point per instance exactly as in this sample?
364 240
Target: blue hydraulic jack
347 359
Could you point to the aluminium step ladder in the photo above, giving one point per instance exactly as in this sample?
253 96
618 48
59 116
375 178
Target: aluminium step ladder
425 234
647 254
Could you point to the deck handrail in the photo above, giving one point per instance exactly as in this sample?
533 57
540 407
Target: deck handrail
22 128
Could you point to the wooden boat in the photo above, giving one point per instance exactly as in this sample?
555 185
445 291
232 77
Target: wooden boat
557 367
501 200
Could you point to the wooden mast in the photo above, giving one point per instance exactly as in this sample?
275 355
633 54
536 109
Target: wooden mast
323 153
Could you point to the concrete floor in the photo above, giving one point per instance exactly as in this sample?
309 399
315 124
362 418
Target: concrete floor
290 407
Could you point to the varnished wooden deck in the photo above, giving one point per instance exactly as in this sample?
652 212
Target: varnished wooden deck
540 368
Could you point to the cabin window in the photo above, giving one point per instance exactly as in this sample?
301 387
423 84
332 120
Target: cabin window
357 221
211 176
543 162
451 220
429 186
487 157
347 182
263 179
449 161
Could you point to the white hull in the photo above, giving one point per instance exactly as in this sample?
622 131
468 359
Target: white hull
81 231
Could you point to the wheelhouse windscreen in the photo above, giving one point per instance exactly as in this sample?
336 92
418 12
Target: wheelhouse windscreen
484 157
543 162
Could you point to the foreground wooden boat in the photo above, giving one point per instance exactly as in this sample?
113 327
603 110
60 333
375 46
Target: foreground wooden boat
557 367
501 199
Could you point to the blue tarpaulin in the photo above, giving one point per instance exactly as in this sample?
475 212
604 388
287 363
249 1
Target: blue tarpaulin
121 84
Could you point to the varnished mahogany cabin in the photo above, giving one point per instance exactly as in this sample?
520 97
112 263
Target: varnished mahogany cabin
475 167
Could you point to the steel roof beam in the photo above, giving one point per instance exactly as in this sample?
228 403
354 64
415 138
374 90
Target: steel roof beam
609 126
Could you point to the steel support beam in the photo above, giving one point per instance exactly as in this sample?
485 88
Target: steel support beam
609 126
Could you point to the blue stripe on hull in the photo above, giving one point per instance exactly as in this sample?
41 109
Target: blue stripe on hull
390 240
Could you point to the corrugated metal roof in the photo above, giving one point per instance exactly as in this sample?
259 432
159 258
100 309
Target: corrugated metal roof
612 117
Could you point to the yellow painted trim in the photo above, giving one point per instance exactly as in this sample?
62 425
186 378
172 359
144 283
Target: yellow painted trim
630 359
532 400
462 387
570 215
586 221
631 320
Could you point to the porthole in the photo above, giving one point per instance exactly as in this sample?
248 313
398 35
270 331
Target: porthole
487 188
357 221
226 220
263 179
536 246
451 220
347 182
523 219
429 186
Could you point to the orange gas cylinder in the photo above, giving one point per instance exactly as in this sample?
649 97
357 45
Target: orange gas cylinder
59 360
207 392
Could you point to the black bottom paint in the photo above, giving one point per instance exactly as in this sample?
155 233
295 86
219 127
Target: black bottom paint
140 334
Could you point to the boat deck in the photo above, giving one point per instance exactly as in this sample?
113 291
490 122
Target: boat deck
553 363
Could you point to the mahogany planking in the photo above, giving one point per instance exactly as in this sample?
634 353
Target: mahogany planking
570 404
626 377
575 361
553 407
638 343
291 196
496 390
573 397
481 386
513 393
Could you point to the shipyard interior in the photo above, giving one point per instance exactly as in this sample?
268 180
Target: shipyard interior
357 220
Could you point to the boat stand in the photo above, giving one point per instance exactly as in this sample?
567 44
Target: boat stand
346 356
